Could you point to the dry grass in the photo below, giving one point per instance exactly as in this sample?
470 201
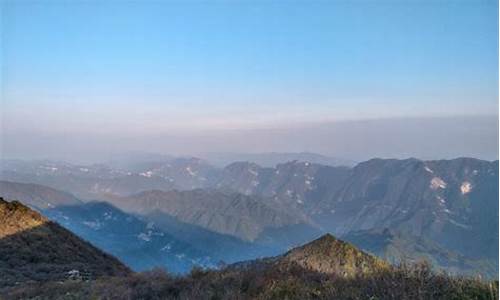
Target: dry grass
403 282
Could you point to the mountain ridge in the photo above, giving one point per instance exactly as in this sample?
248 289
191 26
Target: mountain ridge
33 248
453 204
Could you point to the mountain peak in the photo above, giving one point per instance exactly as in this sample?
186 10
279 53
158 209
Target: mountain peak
326 238
326 244
330 255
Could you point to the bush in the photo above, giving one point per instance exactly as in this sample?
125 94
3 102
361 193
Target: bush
403 282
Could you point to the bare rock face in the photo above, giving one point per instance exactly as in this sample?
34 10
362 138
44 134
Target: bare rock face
15 217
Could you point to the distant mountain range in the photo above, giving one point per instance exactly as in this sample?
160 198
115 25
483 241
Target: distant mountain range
271 159
228 213
398 209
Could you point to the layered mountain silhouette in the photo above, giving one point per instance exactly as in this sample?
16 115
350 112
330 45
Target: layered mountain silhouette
272 159
160 240
223 212
37 196
138 243
32 248
439 210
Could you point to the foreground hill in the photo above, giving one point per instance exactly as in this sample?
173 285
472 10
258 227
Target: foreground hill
326 268
326 255
329 255
32 248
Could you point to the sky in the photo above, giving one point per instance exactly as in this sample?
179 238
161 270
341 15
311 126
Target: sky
185 76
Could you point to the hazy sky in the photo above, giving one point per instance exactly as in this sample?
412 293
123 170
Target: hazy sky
101 71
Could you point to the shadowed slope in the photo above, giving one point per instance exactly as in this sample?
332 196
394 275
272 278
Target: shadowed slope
32 248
